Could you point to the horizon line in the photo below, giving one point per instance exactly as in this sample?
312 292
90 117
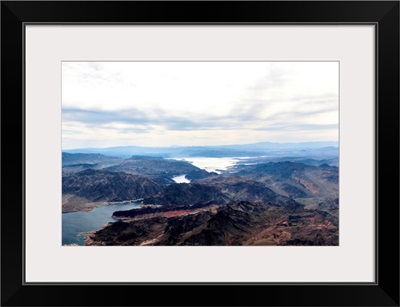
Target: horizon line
180 146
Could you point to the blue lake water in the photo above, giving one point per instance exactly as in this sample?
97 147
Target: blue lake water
212 164
74 223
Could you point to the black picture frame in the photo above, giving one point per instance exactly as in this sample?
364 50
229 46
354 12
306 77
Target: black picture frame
383 14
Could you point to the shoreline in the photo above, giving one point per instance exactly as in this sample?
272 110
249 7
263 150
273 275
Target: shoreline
88 207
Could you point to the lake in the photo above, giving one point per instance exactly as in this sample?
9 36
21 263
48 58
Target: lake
181 179
212 164
74 223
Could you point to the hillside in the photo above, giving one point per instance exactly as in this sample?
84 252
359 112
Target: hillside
241 223
294 179
94 186
159 169
82 158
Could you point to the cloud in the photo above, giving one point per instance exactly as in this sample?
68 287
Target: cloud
103 117
149 120
305 127
126 101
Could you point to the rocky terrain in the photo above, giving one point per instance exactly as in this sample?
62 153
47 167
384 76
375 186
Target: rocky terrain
187 194
241 223
96 186
295 179
256 202
158 169
311 185
90 180
73 163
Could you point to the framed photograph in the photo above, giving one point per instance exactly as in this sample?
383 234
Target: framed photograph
247 150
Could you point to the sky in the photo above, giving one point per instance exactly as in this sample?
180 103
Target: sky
106 104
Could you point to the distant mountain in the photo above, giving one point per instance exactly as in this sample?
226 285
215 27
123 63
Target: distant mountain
88 159
294 179
333 161
126 151
157 169
239 150
282 146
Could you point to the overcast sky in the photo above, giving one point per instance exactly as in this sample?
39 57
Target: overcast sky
108 104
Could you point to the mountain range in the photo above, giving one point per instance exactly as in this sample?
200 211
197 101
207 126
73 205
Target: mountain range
240 223
286 195
298 149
